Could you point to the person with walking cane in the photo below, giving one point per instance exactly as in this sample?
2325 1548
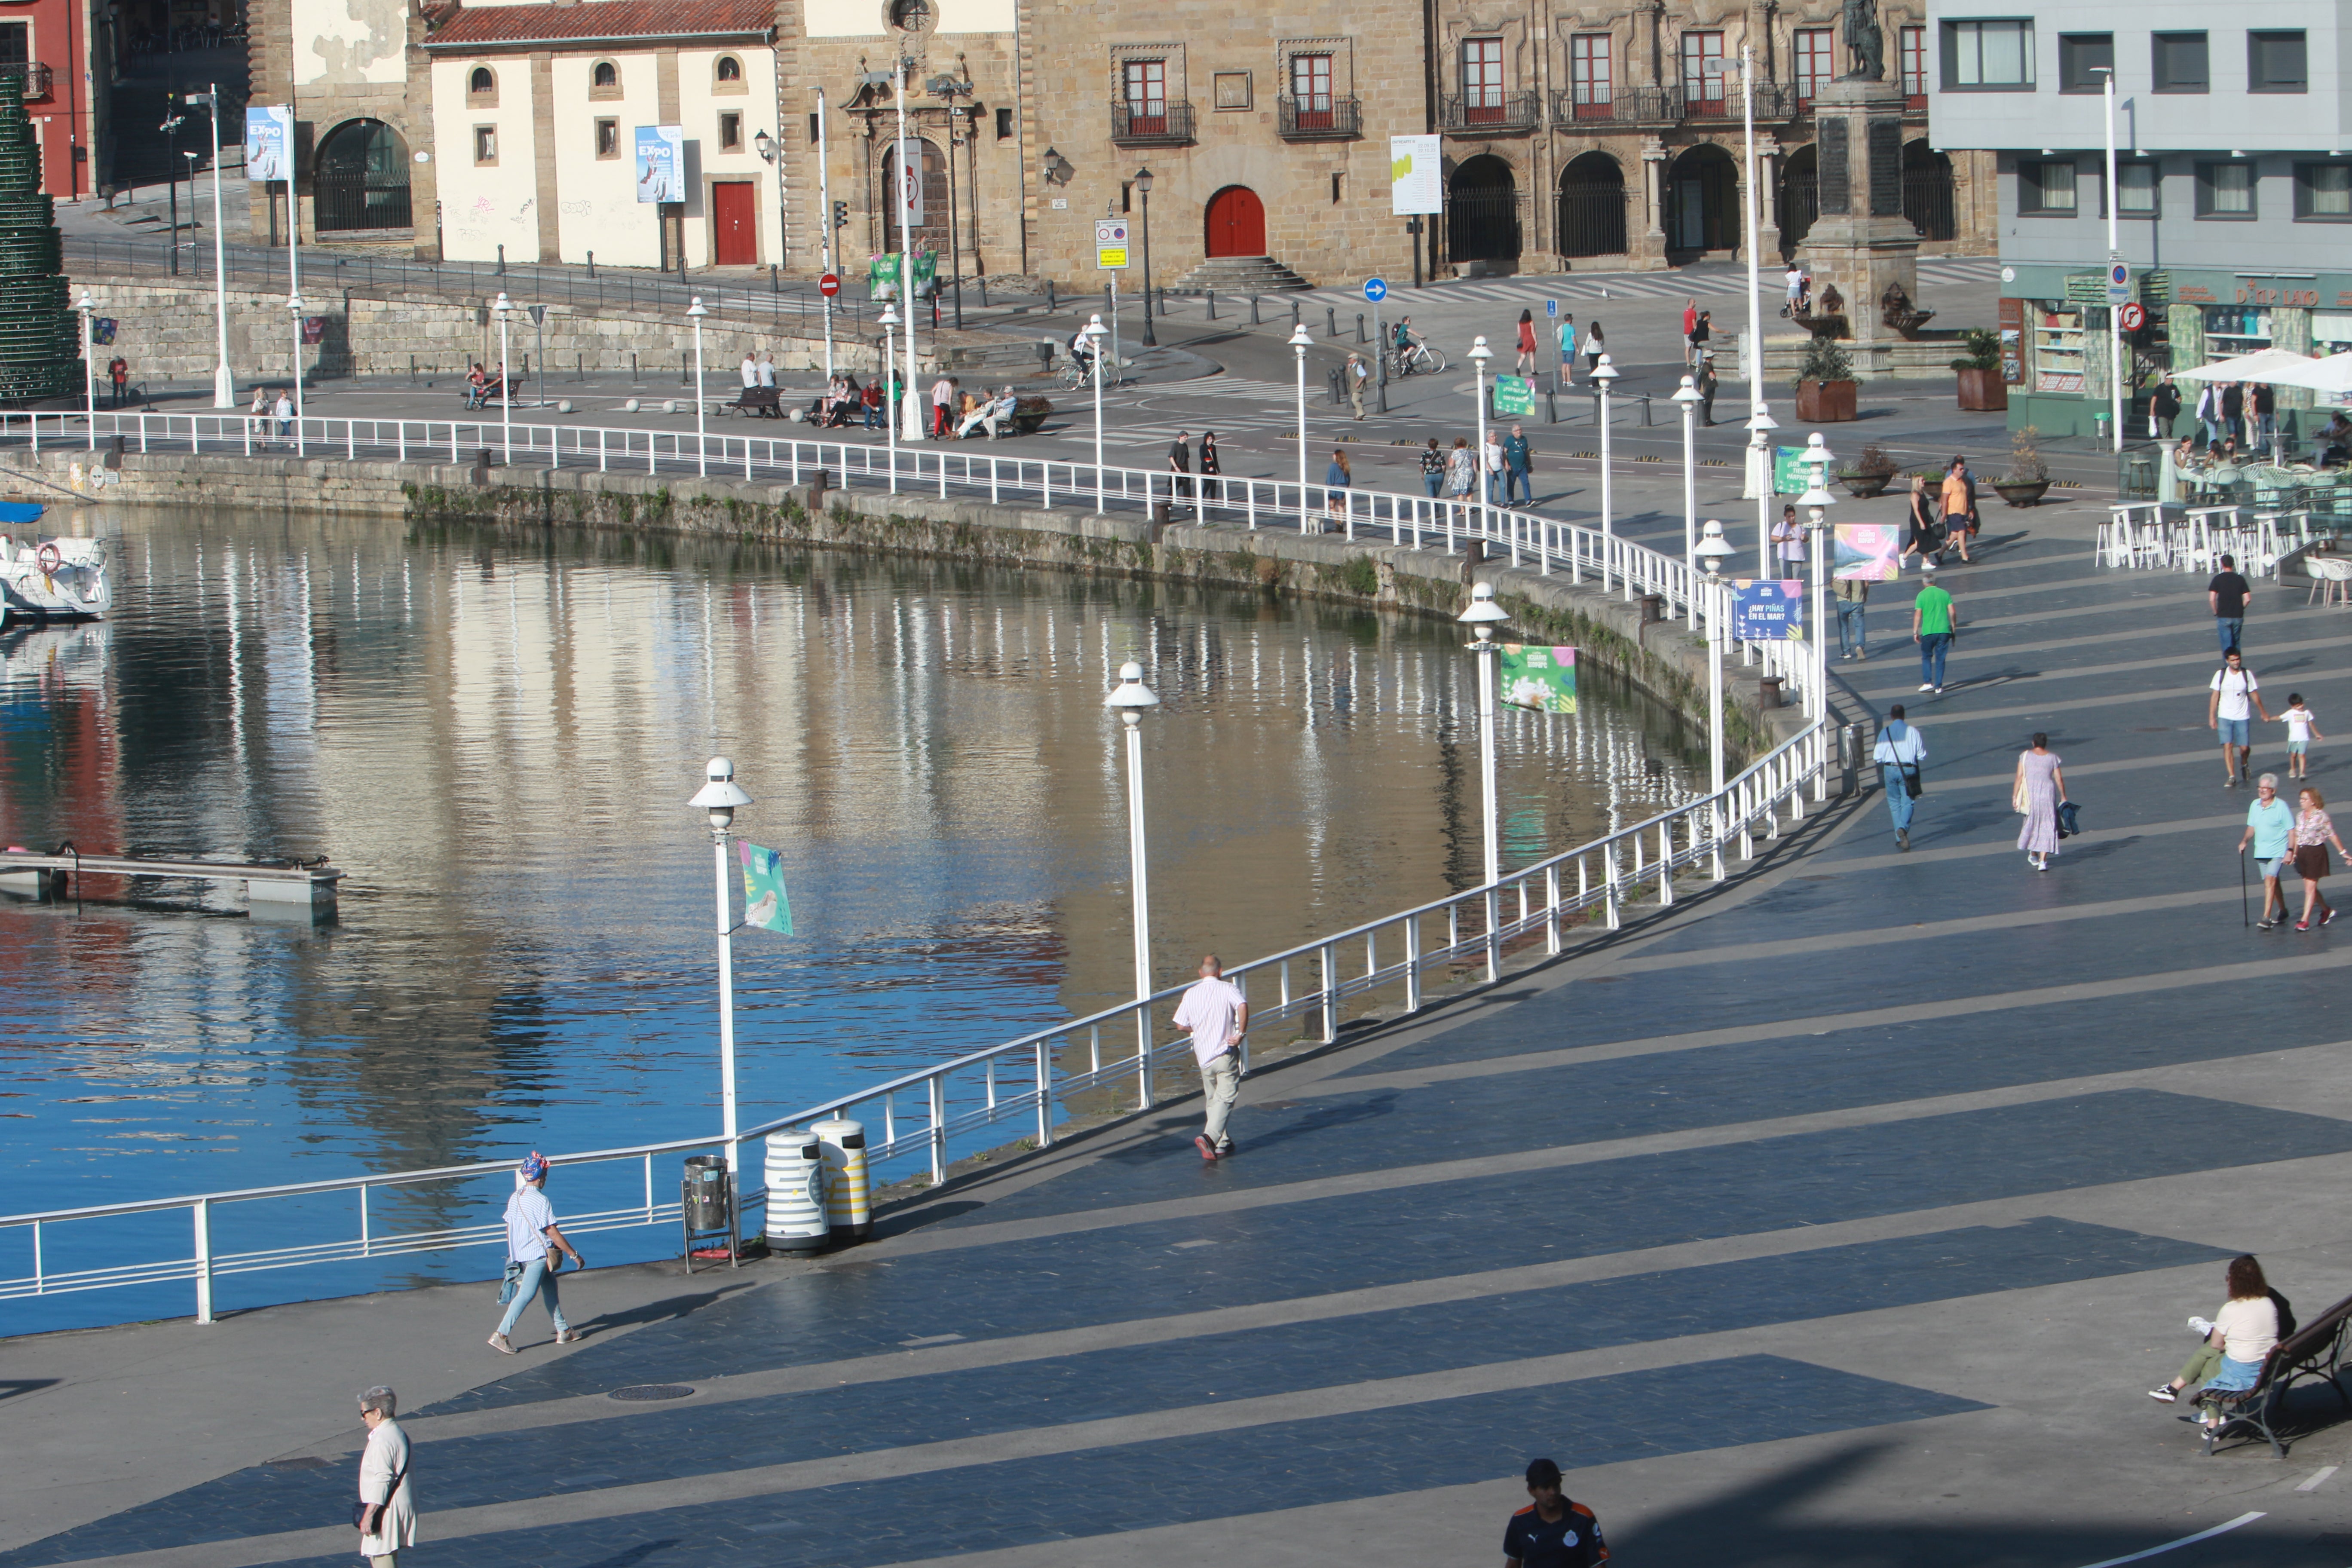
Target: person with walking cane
2269 822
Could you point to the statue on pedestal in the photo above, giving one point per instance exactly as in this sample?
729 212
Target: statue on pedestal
1864 43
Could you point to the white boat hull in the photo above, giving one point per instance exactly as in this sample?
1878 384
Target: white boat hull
55 578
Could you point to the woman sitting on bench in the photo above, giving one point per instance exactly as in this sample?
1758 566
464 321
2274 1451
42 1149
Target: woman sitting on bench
478 385
846 402
2239 1335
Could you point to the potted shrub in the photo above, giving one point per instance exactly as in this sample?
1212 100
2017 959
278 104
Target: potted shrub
1029 413
1825 383
1869 475
1982 388
2029 476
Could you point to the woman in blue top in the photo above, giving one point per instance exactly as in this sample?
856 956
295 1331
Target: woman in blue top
1336 481
2268 822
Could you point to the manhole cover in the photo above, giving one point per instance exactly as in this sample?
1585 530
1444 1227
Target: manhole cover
654 1390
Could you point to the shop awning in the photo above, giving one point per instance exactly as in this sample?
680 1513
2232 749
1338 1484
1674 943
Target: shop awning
2279 367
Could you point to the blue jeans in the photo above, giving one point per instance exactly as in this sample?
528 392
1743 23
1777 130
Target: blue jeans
1495 490
1898 799
2212 429
1933 646
536 1280
2234 1376
1432 483
1515 480
1851 638
2228 630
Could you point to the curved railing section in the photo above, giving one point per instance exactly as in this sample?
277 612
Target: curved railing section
1031 1081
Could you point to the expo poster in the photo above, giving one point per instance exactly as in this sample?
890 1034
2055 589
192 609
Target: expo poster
661 163
1867 551
268 141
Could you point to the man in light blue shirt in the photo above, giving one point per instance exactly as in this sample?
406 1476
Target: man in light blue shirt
2267 823
1567 352
1900 751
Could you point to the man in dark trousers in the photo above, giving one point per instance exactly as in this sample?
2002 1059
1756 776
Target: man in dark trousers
1552 1532
1707 384
1180 461
2226 596
118 372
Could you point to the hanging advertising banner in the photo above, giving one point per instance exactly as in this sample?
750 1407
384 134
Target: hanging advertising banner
661 163
1867 551
1416 176
766 904
268 142
1790 477
1543 678
882 274
909 165
1767 611
1514 395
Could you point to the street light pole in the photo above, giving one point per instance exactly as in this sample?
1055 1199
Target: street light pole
1299 344
695 312
889 405
1712 548
2114 251
1143 184
171 130
504 308
913 411
1482 617
1130 700
88 369
224 384
1604 376
720 796
1479 354
824 227
1761 425
294 304
1687 398
1816 498
1094 330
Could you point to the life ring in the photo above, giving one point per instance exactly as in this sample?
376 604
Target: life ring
49 559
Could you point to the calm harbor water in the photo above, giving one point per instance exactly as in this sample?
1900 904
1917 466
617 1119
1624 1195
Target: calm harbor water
494 737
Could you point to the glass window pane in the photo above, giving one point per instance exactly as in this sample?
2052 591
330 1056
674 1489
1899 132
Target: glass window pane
2330 188
2004 58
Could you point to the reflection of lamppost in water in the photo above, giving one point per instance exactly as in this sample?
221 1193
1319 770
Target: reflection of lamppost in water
1482 617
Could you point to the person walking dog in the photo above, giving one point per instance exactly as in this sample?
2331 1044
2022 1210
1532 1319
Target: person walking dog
1216 1014
386 1510
534 1245
2270 823
1900 751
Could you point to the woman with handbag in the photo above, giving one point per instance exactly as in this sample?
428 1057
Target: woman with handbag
1926 535
2312 832
385 1512
535 1250
2036 793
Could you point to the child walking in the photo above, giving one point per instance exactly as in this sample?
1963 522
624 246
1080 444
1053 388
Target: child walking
2301 728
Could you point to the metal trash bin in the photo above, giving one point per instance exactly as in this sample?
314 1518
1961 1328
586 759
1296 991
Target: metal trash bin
706 1202
846 1201
794 1173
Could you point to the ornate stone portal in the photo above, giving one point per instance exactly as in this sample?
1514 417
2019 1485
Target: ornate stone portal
1862 243
40 345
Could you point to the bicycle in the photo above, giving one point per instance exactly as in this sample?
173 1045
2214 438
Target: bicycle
1418 359
1075 375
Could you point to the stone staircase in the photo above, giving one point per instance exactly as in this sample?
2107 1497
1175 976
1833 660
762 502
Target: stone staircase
1239 275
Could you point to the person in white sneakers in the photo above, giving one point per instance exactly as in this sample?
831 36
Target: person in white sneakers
535 1250
1216 1014
2237 1339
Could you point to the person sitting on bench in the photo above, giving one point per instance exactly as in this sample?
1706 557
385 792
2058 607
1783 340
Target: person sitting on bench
847 402
872 399
495 389
2237 1339
984 411
2335 442
478 385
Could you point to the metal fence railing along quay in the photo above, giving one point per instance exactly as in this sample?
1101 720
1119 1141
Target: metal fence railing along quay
1030 1082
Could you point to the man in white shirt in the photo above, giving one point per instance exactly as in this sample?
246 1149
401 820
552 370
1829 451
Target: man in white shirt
1491 460
767 368
751 369
943 394
2228 702
1214 1013
1900 751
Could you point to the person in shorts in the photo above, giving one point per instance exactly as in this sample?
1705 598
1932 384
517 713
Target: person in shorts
2229 704
2302 730
1552 1532
2269 822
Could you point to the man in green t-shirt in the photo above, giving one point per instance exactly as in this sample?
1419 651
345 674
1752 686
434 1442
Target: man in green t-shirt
1934 624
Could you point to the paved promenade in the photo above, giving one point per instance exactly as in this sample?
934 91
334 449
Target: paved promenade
1839 1215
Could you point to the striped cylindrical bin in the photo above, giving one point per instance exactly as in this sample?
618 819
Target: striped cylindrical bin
795 1177
852 1211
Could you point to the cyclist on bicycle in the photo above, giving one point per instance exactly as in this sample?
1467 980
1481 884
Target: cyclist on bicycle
1405 337
1082 352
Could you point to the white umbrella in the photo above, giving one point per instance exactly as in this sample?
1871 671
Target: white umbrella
2279 367
2333 374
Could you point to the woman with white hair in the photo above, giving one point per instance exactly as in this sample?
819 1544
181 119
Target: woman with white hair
386 1510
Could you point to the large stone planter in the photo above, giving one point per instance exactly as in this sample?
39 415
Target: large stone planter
1826 402
2026 494
1983 391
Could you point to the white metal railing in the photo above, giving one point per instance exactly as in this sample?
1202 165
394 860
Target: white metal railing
1031 1077
1579 551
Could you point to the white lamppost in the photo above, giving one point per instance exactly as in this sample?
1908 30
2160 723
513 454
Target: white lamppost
1095 330
1604 374
1713 550
1130 700
2115 254
720 796
1687 398
1299 344
695 312
889 406
84 308
1760 426
503 308
1816 497
223 384
1482 617
1479 354
294 306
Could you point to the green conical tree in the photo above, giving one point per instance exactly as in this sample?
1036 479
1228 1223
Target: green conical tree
40 342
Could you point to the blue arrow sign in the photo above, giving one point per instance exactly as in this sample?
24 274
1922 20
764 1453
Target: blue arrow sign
1376 290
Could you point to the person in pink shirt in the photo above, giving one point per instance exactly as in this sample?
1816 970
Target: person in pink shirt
1216 1014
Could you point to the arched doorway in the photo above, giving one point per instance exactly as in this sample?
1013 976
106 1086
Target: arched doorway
1800 198
1236 223
933 229
1928 199
361 177
1482 212
1592 207
1703 201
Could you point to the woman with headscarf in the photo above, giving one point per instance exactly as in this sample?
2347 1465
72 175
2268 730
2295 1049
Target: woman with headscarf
535 1249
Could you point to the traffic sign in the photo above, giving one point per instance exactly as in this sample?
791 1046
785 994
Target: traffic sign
1111 243
1376 290
829 285
2119 282
2132 317
1551 309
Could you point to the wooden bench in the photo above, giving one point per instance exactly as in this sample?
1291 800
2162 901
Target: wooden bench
2315 1352
767 402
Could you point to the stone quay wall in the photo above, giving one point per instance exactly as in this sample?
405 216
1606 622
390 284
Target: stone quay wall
1661 658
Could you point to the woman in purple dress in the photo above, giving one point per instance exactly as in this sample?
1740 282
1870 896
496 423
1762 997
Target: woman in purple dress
2040 788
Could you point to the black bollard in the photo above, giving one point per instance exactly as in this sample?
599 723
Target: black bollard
1330 322
1212 304
1360 329
1050 305
1253 321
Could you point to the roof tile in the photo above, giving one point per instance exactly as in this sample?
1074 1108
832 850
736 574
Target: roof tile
492 24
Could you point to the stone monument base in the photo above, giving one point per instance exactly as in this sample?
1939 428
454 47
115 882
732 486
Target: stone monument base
1862 244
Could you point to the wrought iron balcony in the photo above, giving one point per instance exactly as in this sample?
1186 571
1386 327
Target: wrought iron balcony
1319 117
35 76
1491 113
1775 101
1136 124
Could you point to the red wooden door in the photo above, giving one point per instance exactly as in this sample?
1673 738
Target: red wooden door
734 242
1236 223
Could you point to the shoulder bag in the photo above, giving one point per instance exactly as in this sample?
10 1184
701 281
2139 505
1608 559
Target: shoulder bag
1913 784
360 1510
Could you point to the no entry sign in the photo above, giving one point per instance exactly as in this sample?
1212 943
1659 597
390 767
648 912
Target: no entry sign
829 285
